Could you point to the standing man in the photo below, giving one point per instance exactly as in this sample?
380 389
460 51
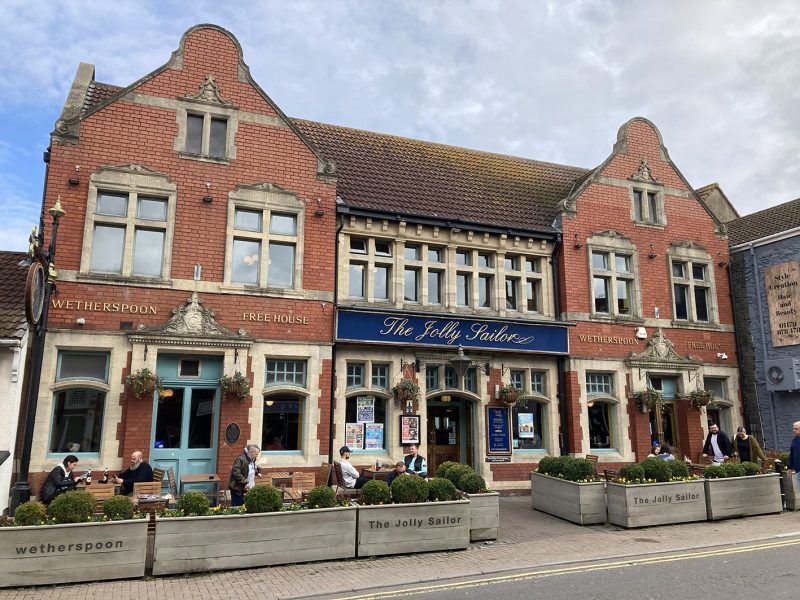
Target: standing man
717 445
138 472
746 447
415 463
794 454
243 474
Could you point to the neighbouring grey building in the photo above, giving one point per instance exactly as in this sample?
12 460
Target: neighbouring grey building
765 277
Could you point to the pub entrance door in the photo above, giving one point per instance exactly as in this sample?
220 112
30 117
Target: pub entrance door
186 419
450 432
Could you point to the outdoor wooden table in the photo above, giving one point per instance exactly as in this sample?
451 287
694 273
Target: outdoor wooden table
150 505
202 478
280 478
292 495
382 475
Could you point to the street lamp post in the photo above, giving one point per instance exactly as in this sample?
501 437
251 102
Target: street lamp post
21 492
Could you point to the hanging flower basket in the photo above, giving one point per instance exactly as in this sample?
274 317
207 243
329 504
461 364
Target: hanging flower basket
700 398
509 395
405 392
235 386
650 399
142 383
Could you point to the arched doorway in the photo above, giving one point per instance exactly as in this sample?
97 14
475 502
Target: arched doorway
450 430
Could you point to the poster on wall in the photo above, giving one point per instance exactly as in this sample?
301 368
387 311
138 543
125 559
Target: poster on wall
498 430
354 436
409 429
782 283
365 409
373 438
525 424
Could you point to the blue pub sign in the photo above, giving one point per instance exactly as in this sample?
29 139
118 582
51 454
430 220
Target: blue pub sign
450 332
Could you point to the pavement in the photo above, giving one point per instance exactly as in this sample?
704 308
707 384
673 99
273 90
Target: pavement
527 539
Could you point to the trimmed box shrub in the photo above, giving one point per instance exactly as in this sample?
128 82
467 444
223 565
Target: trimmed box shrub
30 513
193 503
376 492
118 508
72 507
632 472
262 499
678 468
472 483
657 469
441 490
411 489
455 472
321 497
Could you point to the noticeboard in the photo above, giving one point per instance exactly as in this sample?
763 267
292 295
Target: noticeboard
498 430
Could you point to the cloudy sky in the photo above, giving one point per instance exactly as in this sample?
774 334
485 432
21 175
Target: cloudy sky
550 80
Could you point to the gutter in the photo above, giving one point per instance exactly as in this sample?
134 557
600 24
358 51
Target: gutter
334 347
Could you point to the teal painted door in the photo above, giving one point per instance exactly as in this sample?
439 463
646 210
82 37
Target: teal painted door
186 420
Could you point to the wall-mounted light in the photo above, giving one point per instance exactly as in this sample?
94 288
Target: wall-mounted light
207 198
578 244
652 253
269 402
721 262
590 404
320 212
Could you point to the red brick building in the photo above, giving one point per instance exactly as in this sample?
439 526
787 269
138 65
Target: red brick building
208 234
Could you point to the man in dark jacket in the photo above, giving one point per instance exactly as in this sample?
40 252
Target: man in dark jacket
399 469
718 445
60 480
138 472
794 450
415 462
243 474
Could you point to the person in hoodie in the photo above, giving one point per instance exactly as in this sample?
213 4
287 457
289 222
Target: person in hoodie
243 474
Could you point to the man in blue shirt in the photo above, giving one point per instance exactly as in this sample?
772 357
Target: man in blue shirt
794 453
415 463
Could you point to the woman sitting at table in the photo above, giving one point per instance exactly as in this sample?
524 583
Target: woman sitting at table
60 479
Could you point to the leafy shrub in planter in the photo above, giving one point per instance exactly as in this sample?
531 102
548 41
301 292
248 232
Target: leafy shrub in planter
441 490
410 489
633 473
30 513
750 468
733 470
118 508
321 497
456 472
376 492
678 468
263 499
713 472
441 470
546 465
472 483
72 507
577 469
193 503
656 468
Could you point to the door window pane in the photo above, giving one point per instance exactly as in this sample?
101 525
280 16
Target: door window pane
112 204
152 209
201 419
219 132
283 424
77 421
107 247
169 420
194 134
411 285
246 262
356 283
283 224
148 252
281 265
247 220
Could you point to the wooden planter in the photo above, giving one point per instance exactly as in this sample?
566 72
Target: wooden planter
743 496
656 503
484 519
581 503
409 528
188 544
791 491
50 554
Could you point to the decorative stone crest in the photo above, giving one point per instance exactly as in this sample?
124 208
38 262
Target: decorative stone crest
661 352
208 92
644 174
193 319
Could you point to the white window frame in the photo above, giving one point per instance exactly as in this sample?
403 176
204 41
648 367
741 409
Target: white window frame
612 246
690 255
207 110
648 219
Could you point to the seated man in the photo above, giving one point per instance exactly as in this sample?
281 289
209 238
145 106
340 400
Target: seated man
415 463
138 472
399 469
350 474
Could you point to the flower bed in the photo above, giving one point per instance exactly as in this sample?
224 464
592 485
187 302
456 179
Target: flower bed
41 555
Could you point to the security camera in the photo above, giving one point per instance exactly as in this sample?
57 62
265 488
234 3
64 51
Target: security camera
80 321
722 355
641 333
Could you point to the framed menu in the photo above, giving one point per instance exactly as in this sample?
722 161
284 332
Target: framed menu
498 430
409 429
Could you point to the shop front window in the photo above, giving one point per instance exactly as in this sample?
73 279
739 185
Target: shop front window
282 426
365 423
601 432
528 424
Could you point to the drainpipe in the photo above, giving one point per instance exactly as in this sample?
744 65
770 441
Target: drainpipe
563 438
773 422
333 349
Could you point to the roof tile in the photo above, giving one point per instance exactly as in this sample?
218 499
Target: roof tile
764 223
12 295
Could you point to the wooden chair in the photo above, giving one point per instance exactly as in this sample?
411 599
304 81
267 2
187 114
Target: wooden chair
325 474
146 487
158 475
610 475
173 483
340 489
100 491
303 482
593 458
